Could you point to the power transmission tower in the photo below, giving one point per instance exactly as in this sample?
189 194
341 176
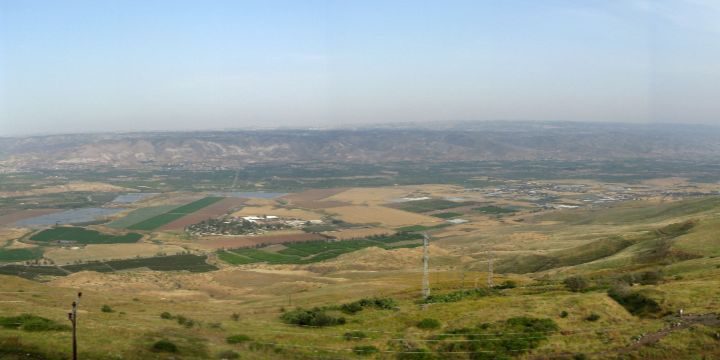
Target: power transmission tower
426 260
491 273
72 316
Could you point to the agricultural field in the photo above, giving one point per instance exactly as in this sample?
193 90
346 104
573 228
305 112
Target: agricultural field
278 237
174 214
185 262
212 211
9 219
17 255
69 217
358 233
422 206
381 215
316 251
284 212
65 255
139 215
78 235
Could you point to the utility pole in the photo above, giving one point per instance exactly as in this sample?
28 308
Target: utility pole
426 261
72 316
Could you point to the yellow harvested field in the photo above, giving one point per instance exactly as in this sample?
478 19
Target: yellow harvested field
347 234
108 251
382 215
281 212
384 195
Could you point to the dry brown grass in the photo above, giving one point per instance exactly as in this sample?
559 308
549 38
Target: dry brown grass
108 251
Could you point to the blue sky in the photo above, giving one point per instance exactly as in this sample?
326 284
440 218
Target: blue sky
68 66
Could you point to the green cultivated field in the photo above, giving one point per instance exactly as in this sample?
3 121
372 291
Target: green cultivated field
494 210
421 206
14 255
186 262
447 215
174 214
83 236
315 251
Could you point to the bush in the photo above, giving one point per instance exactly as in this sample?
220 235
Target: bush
235 316
228 355
459 295
378 303
651 277
593 317
166 315
311 317
354 335
237 339
28 322
510 338
576 283
507 284
564 314
106 309
415 354
365 350
428 323
165 346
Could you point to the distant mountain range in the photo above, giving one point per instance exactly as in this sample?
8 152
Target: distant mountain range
456 141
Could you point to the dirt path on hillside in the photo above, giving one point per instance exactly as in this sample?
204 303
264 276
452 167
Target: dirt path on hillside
678 323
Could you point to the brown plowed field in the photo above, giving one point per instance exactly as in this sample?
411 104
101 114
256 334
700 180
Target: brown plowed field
233 242
25 214
217 209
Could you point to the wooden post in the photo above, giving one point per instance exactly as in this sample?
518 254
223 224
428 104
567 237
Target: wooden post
72 316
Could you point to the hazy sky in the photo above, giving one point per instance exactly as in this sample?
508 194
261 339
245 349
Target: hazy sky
68 66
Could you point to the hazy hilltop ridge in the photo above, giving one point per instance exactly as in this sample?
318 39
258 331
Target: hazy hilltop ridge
441 142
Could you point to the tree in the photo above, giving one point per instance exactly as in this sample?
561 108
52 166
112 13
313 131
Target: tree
576 283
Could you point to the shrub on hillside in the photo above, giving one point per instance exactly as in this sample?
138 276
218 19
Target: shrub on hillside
507 284
593 317
28 322
165 346
576 283
509 339
311 317
428 323
237 339
166 315
106 309
228 355
365 350
459 295
415 354
377 303
354 335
